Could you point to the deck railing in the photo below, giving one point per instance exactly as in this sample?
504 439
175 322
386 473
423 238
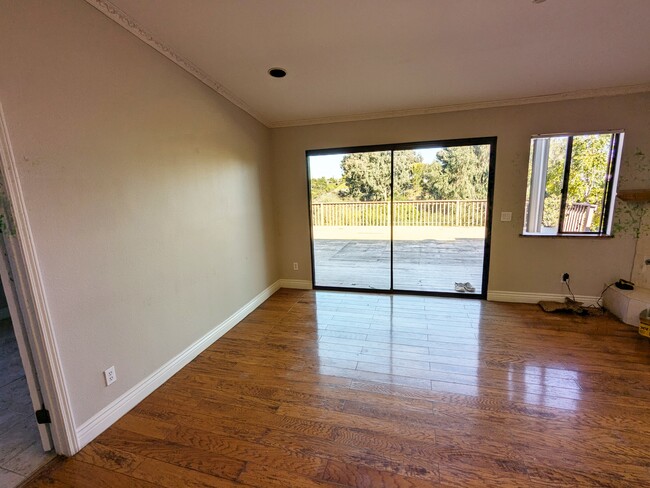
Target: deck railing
452 213
578 217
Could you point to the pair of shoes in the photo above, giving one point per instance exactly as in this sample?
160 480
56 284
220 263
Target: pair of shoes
463 287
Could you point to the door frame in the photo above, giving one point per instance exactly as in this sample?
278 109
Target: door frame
39 337
472 141
24 350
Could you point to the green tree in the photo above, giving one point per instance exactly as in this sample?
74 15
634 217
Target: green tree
587 176
367 176
460 173
589 168
324 190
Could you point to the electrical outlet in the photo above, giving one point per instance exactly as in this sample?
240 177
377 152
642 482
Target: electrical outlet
110 376
506 216
295 266
565 278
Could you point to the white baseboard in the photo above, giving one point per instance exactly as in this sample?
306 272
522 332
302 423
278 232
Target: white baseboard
295 284
112 412
523 297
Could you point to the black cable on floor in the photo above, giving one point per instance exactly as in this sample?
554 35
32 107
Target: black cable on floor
573 297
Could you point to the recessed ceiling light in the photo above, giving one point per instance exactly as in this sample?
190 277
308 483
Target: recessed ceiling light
277 72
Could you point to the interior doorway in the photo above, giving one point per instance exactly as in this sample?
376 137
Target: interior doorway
25 438
410 218
25 445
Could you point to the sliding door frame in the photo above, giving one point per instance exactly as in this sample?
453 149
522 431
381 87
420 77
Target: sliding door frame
473 141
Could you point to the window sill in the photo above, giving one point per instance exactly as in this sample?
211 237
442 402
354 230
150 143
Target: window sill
565 236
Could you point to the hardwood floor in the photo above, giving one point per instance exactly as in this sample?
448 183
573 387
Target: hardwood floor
321 389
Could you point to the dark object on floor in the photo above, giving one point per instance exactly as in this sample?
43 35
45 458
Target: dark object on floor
568 306
624 284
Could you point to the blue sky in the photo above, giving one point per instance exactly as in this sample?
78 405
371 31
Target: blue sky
329 166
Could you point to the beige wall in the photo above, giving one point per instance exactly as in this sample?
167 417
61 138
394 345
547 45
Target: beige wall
150 197
147 193
518 264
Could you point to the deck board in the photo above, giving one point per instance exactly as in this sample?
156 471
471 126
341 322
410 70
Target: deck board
420 265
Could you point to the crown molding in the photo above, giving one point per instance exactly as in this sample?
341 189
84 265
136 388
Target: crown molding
120 17
510 102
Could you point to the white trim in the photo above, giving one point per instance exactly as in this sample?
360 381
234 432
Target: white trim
120 17
295 284
20 333
525 297
106 417
31 293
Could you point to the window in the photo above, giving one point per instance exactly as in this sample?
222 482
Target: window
571 184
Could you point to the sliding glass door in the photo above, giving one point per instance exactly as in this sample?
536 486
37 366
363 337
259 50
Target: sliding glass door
350 214
406 217
440 213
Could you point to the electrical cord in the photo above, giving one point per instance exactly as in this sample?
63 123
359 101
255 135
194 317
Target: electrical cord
598 304
573 297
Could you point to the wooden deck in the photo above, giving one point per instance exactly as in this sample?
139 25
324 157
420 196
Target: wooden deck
318 389
422 265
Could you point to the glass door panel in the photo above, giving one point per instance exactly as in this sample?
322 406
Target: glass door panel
586 192
440 209
350 215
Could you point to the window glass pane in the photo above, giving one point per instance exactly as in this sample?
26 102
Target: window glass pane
587 183
440 218
554 182
350 205
582 202
545 179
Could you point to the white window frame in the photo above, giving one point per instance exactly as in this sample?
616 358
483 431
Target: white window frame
537 186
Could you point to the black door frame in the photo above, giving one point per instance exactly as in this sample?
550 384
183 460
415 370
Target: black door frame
474 141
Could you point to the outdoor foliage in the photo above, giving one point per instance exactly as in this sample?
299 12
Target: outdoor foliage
326 190
367 175
460 173
589 160
457 173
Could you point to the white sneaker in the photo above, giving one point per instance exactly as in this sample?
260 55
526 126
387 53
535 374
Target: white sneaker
468 287
459 287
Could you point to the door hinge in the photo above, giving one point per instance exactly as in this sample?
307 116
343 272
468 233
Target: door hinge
43 416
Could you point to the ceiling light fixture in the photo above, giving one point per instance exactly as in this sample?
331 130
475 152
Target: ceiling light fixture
278 72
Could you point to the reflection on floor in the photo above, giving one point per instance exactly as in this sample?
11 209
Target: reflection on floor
21 452
424 265
320 389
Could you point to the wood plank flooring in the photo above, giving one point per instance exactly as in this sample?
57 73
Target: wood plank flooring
319 389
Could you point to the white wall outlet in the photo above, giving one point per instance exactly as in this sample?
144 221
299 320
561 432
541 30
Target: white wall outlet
295 266
506 216
110 376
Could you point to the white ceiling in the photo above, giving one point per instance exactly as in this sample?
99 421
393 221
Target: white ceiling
350 59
